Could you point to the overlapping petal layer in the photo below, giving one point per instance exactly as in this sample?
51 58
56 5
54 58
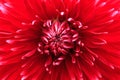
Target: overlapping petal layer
59 40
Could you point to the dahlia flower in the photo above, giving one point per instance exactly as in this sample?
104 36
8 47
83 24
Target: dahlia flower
59 39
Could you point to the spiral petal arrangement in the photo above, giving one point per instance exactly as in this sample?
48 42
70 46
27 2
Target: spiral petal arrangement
59 39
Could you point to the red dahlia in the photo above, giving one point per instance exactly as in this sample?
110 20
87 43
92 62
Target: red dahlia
59 39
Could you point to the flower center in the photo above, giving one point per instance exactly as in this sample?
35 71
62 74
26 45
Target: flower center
60 38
